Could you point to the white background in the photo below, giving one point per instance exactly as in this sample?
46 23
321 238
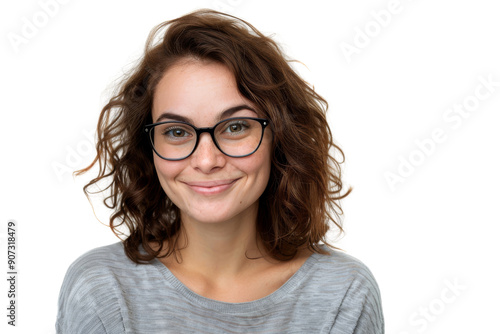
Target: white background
437 227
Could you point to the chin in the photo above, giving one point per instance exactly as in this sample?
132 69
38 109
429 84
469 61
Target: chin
217 214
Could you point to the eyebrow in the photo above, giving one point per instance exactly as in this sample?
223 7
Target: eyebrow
223 115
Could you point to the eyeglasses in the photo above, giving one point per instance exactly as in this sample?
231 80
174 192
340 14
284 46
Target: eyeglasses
235 137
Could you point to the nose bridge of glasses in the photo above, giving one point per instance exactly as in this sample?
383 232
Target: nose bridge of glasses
210 133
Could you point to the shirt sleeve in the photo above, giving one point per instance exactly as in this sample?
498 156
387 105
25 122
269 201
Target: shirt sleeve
75 316
88 300
361 309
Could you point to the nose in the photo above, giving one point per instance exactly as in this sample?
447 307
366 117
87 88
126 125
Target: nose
207 157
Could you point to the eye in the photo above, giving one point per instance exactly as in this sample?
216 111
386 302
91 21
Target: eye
236 126
176 132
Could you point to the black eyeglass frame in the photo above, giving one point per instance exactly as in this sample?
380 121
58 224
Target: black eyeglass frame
211 130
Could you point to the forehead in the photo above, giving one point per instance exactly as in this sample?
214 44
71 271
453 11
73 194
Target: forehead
200 91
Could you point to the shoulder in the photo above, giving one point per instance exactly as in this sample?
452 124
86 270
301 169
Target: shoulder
346 272
340 266
100 256
96 263
100 269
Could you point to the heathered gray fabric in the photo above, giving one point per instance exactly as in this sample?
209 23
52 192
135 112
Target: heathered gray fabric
105 292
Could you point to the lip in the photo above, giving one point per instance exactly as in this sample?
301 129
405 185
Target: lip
211 187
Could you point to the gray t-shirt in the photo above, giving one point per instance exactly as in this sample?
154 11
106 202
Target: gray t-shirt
105 292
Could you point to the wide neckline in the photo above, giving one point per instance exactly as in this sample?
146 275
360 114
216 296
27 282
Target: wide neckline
255 306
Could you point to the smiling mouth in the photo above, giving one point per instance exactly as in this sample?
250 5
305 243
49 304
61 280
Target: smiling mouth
211 187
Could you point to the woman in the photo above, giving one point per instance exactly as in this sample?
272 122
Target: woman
217 156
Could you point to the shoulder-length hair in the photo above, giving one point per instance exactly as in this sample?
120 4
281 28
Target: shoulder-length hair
304 189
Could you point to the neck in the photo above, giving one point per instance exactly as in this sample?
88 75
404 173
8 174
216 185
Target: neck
222 249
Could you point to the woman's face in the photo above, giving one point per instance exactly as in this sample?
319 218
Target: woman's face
209 186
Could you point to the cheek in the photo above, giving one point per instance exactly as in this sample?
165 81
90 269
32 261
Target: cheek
260 167
166 171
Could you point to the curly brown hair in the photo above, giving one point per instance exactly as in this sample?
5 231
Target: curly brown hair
305 185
